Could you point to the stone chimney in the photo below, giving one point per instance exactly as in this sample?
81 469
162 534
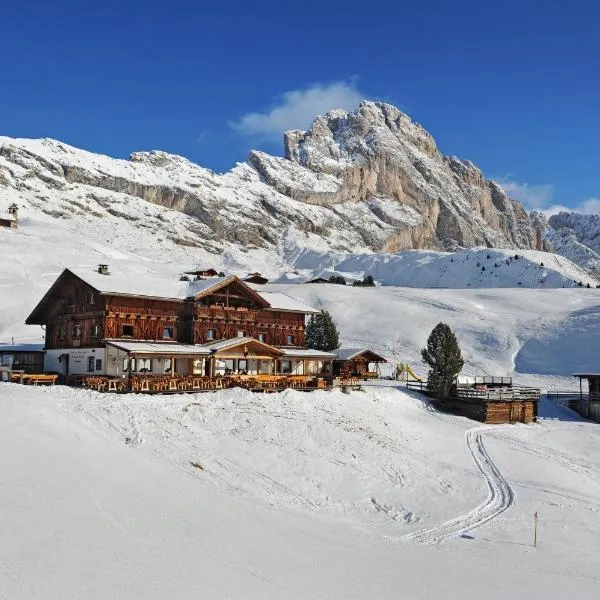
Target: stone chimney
103 270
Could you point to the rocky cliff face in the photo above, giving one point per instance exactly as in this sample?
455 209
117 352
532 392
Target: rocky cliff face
378 152
361 181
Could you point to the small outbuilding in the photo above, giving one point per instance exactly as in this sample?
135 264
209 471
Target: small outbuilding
256 278
8 221
27 358
358 362
204 273
491 400
588 405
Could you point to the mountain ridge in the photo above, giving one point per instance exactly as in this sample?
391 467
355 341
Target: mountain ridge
369 180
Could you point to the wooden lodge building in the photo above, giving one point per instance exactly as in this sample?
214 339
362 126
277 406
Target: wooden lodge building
118 326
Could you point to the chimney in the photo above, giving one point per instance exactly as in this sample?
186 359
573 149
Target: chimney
13 210
103 270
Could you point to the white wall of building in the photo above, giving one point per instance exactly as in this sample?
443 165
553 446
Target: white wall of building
78 360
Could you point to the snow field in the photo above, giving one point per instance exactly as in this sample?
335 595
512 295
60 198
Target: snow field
99 498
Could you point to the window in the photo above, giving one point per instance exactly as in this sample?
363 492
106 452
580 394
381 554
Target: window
95 330
290 340
286 366
76 331
261 337
168 333
61 333
90 298
90 364
127 331
144 365
241 334
98 364
126 362
210 334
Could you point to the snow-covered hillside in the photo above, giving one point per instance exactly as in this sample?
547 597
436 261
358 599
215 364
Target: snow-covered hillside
323 495
473 268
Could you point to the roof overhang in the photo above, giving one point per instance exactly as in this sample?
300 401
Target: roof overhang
262 302
369 355
244 348
159 349
308 353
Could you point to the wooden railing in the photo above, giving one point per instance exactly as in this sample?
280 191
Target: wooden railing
244 315
134 312
498 394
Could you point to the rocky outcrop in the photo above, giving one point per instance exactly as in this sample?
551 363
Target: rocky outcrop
377 151
360 181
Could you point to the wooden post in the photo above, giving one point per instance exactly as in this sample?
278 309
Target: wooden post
128 371
172 366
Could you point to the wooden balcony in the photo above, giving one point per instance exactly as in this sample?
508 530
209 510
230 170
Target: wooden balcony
244 316
139 312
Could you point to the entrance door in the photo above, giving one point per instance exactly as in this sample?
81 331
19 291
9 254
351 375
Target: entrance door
515 412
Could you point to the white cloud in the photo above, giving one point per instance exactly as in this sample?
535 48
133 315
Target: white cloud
533 197
539 197
591 206
297 109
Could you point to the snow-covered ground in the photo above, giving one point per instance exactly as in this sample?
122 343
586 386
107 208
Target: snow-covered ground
321 495
294 495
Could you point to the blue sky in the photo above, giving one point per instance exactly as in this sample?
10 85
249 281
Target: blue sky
512 86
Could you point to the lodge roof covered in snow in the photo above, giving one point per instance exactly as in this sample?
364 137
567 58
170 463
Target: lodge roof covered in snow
147 285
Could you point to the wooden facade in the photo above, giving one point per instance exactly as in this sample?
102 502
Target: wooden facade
28 358
491 400
491 411
356 362
82 315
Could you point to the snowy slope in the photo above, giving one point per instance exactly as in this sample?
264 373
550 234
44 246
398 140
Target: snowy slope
473 268
295 496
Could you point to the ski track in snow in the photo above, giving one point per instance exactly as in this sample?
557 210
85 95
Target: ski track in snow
500 497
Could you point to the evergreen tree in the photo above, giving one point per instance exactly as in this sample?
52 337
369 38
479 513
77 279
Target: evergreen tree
321 332
444 359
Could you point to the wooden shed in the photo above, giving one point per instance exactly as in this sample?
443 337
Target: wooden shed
488 399
360 362
28 358
256 278
8 221
588 404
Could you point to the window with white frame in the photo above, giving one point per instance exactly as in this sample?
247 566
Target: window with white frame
168 333
261 337
210 334
291 340
91 364
126 364
241 333
144 365
95 330
76 331
127 331
98 364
